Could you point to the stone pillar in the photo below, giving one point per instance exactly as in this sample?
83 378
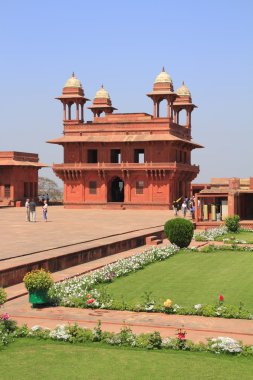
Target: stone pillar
64 111
69 111
155 108
82 118
77 111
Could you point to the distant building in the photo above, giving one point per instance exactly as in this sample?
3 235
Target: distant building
224 197
128 160
18 177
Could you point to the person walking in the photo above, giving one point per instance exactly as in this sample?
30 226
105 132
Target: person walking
184 208
44 209
175 207
32 209
27 210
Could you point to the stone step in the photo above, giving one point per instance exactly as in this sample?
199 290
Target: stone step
150 239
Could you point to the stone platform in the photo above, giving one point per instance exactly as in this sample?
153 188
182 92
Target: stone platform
70 237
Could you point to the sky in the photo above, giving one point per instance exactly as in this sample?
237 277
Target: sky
124 45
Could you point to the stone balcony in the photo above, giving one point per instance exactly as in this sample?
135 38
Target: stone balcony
173 166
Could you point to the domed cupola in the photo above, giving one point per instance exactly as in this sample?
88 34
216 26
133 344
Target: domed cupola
163 81
101 103
183 91
73 93
163 90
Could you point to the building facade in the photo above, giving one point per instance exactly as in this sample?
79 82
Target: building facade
18 177
128 160
224 197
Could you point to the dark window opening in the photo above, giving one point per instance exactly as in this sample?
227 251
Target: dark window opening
116 190
139 187
7 191
139 156
92 156
93 187
26 189
185 157
115 156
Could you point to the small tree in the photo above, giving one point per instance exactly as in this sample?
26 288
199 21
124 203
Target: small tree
179 231
233 223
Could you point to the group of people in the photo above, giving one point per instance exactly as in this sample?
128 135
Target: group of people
184 204
30 206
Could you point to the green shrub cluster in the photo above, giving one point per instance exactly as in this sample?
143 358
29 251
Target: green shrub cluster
3 296
179 231
233 223
38 280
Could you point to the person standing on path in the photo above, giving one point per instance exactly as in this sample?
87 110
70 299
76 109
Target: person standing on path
27 210
44 209
32 208
184 208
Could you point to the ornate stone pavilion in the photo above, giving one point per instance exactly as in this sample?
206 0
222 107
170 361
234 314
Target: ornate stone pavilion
128 160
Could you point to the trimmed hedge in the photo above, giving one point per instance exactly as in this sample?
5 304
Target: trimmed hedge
179 231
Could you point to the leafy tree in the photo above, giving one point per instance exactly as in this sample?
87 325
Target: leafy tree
50 187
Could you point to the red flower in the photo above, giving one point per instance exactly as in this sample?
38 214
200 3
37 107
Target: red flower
181 334
89 301
5 316
221 298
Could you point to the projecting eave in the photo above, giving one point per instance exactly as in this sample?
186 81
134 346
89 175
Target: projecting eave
161 92
122 138
23 163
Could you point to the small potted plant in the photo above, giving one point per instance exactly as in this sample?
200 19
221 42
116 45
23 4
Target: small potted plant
38 282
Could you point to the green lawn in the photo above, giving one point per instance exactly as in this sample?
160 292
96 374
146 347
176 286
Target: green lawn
191 278
244 235
27 359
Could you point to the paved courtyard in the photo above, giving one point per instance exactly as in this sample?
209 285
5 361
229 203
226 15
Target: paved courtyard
66 227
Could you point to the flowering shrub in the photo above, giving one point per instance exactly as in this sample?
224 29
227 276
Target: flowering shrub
60 333
225 344
211 234
75 291
76 334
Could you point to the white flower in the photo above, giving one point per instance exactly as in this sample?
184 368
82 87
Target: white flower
198 306
225 344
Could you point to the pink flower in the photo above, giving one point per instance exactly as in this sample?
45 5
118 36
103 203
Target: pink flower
90 301
221 298
5 316
181 334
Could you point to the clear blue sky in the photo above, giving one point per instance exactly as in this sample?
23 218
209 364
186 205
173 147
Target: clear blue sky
208 44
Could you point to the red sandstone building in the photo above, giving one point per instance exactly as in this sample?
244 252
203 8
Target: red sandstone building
18 177
126 159
224 197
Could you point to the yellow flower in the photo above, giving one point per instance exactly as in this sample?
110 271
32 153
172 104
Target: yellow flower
168 303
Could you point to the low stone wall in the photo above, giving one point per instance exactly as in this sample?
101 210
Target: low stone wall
14 275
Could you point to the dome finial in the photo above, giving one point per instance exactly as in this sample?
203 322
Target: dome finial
73 74
163 70
102 85
183 83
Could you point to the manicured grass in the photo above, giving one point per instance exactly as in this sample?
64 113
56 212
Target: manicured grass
28 359
191 278
242 235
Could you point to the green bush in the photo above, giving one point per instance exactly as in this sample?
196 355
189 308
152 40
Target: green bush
179 231
233 223
3 296
38 280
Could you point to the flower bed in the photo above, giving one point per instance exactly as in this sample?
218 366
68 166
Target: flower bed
210 234
152 341
86 292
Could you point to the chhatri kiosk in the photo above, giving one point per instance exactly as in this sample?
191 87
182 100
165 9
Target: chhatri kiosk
128 160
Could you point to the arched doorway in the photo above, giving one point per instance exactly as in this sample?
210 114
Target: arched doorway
116 190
